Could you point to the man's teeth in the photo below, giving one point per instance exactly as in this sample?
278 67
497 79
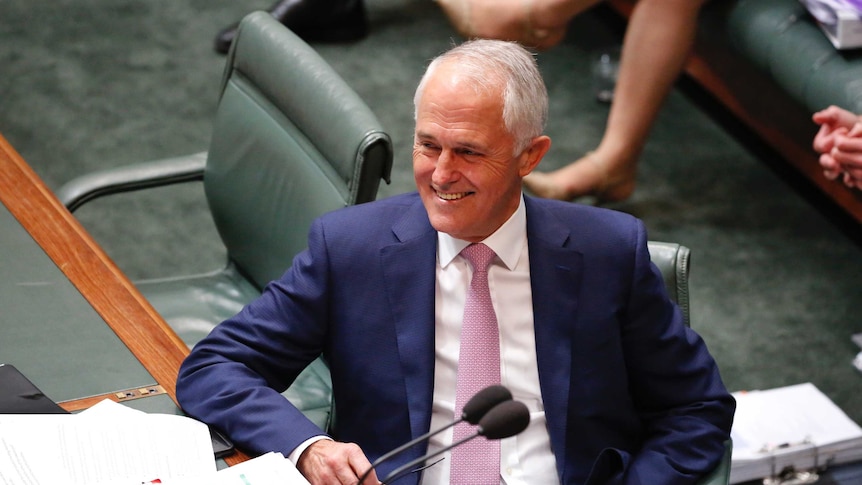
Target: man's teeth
451 196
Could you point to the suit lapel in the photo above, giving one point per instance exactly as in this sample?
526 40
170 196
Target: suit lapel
555 271
409 272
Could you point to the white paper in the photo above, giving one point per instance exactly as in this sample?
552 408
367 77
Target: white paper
796 426
104 445
268 469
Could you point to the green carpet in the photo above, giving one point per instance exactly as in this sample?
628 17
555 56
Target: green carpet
97 83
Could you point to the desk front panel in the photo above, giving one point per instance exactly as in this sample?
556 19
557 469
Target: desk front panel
50 331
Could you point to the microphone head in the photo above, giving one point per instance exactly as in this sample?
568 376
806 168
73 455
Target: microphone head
483 401
503 420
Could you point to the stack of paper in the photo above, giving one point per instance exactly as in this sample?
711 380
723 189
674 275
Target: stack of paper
795 426
113 444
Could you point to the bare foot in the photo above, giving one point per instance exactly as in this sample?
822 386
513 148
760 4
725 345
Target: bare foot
584 177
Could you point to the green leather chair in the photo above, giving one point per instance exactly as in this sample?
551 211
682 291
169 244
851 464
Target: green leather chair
290 141
673 261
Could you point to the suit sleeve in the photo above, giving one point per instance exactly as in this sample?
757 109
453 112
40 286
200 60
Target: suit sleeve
675 383
234 377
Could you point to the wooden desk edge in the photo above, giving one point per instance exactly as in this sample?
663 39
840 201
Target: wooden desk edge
150 339
90 270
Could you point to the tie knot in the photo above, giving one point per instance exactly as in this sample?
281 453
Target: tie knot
479 256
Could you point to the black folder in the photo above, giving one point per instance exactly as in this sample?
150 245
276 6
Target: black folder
20 396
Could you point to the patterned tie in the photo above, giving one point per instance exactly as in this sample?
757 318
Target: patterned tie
476 462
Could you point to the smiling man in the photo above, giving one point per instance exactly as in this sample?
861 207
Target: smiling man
468 157
577 323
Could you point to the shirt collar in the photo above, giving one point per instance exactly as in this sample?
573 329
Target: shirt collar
507 241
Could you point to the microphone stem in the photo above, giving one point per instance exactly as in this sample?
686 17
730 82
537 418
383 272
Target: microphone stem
403 469
404 447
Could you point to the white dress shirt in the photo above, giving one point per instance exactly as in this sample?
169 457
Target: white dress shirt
525 458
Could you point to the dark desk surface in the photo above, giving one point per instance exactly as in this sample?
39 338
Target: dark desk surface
71 321
59 290
50 332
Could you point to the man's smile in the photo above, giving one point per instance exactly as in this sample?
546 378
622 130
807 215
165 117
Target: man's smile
453 196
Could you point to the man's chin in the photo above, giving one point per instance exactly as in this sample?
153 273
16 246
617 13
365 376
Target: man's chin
446 223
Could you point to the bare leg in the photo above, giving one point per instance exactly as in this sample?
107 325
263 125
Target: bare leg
657 43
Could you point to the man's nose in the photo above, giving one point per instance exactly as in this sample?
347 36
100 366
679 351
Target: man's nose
446 168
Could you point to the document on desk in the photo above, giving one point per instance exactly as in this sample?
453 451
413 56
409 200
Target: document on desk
108 444
268 469
111 444
795 426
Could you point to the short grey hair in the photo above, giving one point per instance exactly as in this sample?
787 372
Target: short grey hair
495 64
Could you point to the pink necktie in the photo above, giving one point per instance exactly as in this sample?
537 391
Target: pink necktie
476 462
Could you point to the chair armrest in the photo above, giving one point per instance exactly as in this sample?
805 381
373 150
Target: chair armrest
85 188
721 474
673 260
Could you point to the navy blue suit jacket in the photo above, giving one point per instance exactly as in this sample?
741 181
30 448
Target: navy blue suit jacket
631 394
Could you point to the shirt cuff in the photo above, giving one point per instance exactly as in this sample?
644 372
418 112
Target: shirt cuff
297 452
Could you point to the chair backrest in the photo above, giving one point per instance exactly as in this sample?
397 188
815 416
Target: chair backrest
290 141
673 260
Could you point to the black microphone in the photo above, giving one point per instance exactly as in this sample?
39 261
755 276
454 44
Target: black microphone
505 419
478 405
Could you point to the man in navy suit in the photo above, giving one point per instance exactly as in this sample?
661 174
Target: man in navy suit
619 390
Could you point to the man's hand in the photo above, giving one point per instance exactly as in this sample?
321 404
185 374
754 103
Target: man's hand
328 462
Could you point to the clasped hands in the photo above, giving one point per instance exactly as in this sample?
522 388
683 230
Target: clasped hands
839 142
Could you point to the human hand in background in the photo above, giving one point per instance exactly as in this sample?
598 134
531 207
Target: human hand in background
846 153
839 142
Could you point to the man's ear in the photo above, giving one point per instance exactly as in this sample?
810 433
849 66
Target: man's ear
533 154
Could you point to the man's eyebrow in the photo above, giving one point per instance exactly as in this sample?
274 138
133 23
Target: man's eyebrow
458 145
465 145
